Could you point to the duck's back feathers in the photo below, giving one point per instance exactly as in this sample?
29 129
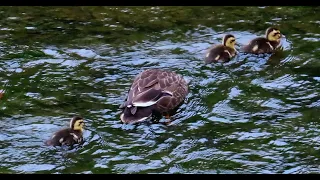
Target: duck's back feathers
219 53
65 137
260 45
153 90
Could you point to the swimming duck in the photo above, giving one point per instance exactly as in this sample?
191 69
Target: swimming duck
267 44
153 91
223 52
68 136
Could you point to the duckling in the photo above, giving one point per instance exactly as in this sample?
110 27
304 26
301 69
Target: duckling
153 91
68 136
223 52
266 44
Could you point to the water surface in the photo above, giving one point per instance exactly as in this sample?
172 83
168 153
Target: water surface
254 114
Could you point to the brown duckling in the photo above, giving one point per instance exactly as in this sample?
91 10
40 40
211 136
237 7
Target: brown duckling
154 91
223 52
68 136
266 44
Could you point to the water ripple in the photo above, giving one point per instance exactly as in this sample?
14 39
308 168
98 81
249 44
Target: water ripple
254 114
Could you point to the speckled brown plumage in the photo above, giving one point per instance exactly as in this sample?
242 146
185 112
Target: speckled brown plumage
153 90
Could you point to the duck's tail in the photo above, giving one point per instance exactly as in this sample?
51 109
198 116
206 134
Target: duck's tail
140 114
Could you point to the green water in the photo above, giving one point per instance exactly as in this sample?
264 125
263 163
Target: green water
254 114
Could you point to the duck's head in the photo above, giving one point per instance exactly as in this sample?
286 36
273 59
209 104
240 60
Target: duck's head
77 123
229 41
273 34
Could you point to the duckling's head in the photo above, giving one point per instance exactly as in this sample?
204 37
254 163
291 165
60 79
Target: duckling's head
77 123
229 41
273 34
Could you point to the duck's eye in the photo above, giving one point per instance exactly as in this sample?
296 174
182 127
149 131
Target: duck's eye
275 34
232 40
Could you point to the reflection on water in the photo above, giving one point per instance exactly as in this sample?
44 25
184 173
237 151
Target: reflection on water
254 114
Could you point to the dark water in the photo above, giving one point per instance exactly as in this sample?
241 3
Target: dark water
254 114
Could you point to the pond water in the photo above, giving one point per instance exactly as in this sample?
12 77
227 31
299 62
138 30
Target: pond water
254 114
